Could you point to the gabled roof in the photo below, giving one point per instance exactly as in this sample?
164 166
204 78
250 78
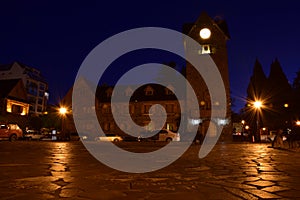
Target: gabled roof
6 86
159 93
5 67
30 71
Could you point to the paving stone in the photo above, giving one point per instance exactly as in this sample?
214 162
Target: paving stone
262 194
290 194
275 189
67 170
261 183
240 193
268 177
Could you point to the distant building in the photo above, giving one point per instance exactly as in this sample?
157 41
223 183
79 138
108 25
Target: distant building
35 84
13 102
140 102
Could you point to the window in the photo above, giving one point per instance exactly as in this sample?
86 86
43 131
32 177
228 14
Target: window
40 109
31 99
149 91
41 93
106 109
40 101
169 90
107 126
146 109
17 109
109 92
128 92
42 86
170 108
131 109
32 88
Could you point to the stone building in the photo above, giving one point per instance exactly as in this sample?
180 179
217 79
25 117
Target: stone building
138 106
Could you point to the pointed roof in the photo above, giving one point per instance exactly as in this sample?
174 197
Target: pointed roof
31 72
5 67
7 86
204 18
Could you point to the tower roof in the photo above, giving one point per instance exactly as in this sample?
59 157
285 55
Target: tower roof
204 18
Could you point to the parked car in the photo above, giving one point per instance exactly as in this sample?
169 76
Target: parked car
129 138
109 138
33 135
10 131
162 135
49 134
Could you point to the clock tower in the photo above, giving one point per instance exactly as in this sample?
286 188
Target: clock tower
212 35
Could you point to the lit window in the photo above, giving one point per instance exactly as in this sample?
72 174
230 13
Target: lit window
149 91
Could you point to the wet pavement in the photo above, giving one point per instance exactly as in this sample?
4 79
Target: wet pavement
66 170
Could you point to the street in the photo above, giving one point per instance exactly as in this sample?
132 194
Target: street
66 170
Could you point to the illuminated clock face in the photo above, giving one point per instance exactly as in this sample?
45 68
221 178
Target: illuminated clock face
205 33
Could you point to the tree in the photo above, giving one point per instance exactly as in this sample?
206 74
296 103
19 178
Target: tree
257 82
277 97
275 93
254 92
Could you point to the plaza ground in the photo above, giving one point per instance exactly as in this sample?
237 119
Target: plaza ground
66 170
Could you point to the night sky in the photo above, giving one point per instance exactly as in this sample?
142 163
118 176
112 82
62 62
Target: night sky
56 36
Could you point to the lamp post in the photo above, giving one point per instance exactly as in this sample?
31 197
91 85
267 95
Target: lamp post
62 111
242 131
257 106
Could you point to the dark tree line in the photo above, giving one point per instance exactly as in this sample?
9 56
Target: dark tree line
280 99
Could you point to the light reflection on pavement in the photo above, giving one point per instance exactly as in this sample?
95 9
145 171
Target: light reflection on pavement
54 170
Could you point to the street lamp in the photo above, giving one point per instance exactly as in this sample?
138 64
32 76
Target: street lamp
242 131
257 106
62 111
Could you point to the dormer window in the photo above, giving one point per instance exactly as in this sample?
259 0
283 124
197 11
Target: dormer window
109 92
149 91
128 92
169 90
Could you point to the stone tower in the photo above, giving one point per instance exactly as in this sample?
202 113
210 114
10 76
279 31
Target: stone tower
212 35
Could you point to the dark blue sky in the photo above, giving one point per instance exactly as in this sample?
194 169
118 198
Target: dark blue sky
55 36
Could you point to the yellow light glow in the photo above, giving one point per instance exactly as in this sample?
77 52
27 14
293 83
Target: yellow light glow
247 127
8 109
243 121
257 104
286 105
205 33
62 110
298 123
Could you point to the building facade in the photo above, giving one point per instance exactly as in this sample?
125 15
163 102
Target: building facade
212 35
13 102
35 84
141 100
213 43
